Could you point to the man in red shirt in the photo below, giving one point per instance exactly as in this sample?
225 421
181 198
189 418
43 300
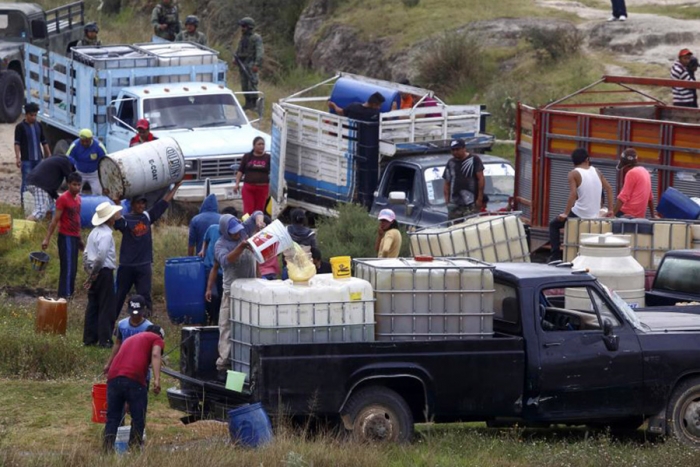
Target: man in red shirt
126 383
144 134
67 217
636 195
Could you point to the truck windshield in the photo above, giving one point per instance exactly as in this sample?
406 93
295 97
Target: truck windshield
499 178
678 275
626 310
194 111
13 26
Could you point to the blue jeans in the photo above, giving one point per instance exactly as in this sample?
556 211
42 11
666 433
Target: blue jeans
619 8
123 390
27 167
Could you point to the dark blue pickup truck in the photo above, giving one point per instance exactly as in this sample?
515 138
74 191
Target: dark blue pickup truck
677 279
551 360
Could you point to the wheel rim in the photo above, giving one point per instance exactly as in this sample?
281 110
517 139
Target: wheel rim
377 424
690 419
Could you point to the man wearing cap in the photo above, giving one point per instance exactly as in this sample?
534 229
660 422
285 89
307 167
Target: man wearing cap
636 194
127 327
143 134
136 251
43 183
100 261
126 383
682 97
388 243
90 39
30 145
232 253
464 182
190 34
85 154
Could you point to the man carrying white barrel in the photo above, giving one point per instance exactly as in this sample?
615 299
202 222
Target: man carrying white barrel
85 154
136 250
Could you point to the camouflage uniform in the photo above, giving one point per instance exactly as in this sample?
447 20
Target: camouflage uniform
163 14
250 51
87 42
197 37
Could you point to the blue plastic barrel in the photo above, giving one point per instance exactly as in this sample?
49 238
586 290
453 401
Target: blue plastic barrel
88 205
346 91
675 205
249 425
185 284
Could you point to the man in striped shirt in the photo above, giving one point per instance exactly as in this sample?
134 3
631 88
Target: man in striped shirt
682 97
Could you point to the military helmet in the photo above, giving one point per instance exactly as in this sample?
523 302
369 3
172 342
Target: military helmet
247 21
192 19
91 27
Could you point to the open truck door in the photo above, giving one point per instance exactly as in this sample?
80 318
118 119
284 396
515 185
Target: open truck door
278 151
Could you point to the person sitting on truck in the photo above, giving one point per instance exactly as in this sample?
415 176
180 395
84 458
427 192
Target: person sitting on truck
464 182
636 193
388 243
85 153
90 39
43 183
190 34
143 135
165 20
30 145
255 172
682 97
586 185
233 253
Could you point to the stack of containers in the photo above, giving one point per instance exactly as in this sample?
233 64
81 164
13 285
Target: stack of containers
279 312
181 54
430 298
489 238
115 57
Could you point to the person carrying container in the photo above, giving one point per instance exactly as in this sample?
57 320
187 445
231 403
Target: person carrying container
190 34
85 154
208 216
30 145
43 183
165 20
249 56
143 133
388 243
126 384
67 219
90 38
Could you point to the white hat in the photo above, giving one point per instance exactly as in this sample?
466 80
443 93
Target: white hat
104 212
387 215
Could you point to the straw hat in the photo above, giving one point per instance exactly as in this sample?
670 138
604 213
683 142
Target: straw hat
104 212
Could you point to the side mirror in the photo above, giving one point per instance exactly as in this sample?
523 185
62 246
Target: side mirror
607 327
611 341
397 197
111 111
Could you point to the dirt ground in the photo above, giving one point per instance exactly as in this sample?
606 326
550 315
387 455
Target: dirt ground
10 177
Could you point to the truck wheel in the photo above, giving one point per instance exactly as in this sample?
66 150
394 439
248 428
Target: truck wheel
683 413
11 96
379 414
61 147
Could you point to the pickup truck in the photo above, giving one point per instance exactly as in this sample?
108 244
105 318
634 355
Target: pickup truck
27 23
677 279
548 362
187 102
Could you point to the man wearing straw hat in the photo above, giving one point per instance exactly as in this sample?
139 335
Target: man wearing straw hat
100 261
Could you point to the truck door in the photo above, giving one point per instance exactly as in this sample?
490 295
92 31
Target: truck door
406 179
121 128
277 152
581 376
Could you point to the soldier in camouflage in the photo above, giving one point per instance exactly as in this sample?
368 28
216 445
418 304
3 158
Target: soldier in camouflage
249 56
190 34
90 38
165 20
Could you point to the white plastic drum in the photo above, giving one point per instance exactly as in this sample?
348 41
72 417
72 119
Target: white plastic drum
609 258
179 54
142 169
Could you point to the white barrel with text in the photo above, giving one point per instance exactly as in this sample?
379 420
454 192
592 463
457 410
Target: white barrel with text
143 168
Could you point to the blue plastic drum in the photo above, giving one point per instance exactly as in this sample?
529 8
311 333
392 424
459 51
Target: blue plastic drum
88 205
185 284
346 91
675 205
249 425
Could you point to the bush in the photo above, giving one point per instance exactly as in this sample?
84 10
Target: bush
556 44
453 61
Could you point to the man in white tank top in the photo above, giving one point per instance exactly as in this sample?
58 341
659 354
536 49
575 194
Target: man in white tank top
586 185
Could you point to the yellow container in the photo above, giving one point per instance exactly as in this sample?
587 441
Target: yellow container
341 267
5 224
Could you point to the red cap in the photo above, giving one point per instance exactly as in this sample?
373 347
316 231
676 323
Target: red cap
143 123
684 52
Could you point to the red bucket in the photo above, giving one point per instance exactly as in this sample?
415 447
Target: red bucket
99 403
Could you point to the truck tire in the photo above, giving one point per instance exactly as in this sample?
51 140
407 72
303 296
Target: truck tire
378 414
11 96
683 413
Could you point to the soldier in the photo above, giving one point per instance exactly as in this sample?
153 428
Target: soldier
191 34
249 56
90 38
165 20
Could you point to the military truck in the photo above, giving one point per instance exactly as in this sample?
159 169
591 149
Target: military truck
56 30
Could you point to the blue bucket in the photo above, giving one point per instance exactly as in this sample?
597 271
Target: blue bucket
249 425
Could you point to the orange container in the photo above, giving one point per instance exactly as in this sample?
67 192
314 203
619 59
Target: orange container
51 316
5 224
99 403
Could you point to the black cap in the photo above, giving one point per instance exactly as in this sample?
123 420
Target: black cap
137 304
457 143
628 156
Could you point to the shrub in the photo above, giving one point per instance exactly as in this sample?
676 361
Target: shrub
556 44
410 3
